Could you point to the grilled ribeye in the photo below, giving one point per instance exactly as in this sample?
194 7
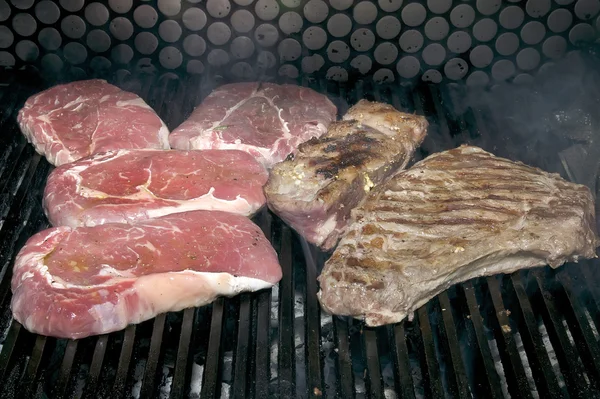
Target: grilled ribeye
455 215
315 191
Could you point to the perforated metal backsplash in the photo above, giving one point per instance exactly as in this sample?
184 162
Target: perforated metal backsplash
480 41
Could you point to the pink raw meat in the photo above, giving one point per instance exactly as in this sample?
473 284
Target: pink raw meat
71 121
73 283
266 120
131 185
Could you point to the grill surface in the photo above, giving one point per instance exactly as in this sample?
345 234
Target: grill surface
530 334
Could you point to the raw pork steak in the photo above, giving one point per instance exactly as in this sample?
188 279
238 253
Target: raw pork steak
71 121
455 215
130 185
267 120
329 176
73 283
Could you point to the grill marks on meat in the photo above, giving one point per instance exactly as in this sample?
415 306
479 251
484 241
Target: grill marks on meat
72 283
130 185
266 120
456 215
71 121
315 191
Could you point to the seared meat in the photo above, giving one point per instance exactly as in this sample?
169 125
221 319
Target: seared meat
455 215
315 191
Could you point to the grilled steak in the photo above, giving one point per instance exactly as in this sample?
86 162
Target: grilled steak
266 120
455 215
72 283
315 191
71 121
128 185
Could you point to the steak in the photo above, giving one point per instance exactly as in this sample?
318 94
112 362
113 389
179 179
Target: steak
71 121
329 176
456 215
131 185
69 283
266 120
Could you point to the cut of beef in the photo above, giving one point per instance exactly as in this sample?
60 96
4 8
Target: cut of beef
456 215
266 120
72 283
131 185
71 121
329 176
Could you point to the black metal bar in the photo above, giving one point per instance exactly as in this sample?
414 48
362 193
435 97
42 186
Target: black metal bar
29 378
91 386
566 354
482 342
582 331
183 362
451 335
313 324
65 370
243 347
373 379
286 351
124 361
8 348
432 370
149 381
212 367
515 371
403 379
543 373
263 349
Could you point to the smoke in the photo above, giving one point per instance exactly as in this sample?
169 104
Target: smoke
552 122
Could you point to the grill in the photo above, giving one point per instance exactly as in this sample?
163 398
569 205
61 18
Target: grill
532 334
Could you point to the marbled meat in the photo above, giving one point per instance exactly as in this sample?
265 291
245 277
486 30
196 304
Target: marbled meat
266 120
456 215
131 185
315 190
73 283
71 121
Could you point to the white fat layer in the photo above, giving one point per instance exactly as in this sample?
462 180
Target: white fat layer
325 228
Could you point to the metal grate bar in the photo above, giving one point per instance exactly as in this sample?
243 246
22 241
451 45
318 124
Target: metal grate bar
449 327
124 362
8 348
431 371
565 352
31 373
149 382
507 345
313 324
581 328
287 388
543 373
183 362
403 380
482 342
374 383
91 385
243 347
263 318
60 389
212 367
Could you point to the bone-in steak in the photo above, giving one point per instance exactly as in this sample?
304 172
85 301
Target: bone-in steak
71 121
128 185
266 120
455 215
72 283
329 176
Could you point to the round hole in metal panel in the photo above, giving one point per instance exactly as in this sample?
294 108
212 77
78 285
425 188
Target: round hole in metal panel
437 28
388 27
24 24
49 39
218 8
538 8
316 11
242 47
408 67
4 10
528 59
72 5
502 70
52 63
337 74
289 50
194 45
459 42
6 59
582 33
195 67
121 28
265 60
218 33
98 41
439 6
414 14
170 8
488 7
364 12
27 51
218 58
312 63
362 39
169 31
383 75
362 63
243 21
533 32
411 41
554 47
339 25
481 56
314 38
146 43
266 10
560 20
289 22
434 54
587 9
289 71
485 30
338 51
121 6
462 16
194 19
242 70
96 14
6 37
145 16
456 68
432 75
75 53
170 57
47 12
121 54
266 35
385 53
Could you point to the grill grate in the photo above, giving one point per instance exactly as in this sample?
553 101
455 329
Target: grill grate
531 334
